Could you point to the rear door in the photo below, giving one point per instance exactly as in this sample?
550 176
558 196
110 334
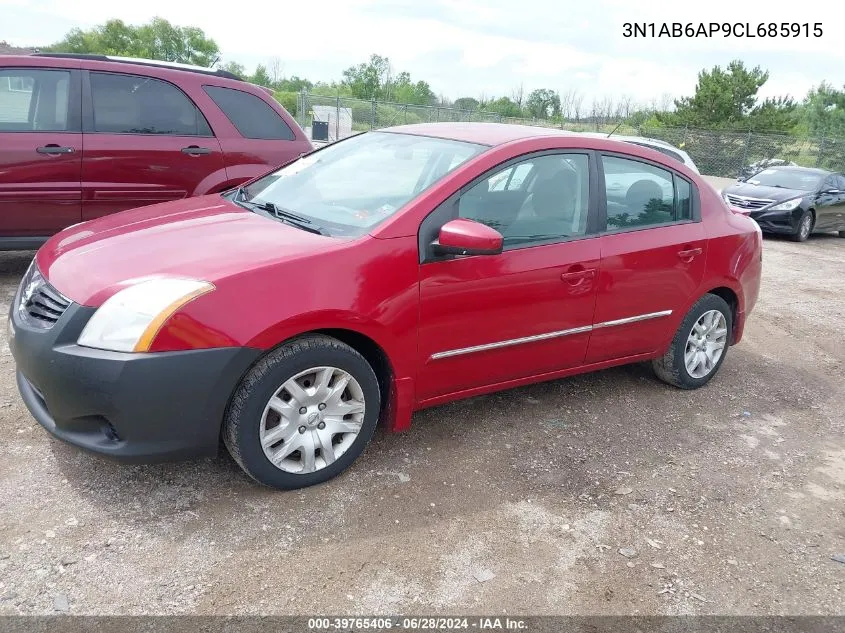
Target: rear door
653 253
145 142
40 151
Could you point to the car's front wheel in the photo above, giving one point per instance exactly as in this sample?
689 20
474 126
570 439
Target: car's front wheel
303 414
805 227
699 346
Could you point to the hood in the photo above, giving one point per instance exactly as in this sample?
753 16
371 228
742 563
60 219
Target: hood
777 194
205 238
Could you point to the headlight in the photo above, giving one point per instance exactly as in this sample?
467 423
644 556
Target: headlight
129 320
789 205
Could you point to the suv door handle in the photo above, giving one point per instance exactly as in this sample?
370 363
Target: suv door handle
195 150
577 276
689 254
52 148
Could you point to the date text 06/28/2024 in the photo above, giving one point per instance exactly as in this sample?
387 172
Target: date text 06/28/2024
722 29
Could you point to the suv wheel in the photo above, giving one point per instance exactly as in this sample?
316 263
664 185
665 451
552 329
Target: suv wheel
699 346
303 414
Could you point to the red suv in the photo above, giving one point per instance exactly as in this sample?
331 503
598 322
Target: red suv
82 136
387 272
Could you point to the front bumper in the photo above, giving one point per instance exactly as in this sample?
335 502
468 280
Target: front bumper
135 407
783 222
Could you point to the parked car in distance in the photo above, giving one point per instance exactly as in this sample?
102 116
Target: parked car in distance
790 200
661 146
374 277
83 136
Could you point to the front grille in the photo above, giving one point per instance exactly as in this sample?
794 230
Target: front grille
741 202
41 305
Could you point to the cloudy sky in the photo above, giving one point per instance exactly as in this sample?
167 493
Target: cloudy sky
470 47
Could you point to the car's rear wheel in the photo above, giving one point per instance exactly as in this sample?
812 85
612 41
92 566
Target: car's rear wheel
805 227
303 414
699 346
841 233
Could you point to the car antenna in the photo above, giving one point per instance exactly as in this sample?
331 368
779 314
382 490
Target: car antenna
616 128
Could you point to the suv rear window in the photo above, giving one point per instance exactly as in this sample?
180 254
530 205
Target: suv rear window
132 104
249 114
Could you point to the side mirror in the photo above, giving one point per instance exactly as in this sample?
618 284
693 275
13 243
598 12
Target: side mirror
467 237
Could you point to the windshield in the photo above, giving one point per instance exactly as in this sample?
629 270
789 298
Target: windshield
348 188
787 178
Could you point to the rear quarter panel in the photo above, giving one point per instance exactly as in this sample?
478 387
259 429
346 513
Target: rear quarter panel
734 255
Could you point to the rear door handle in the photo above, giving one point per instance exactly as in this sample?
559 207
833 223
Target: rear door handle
52 148
195 150
577 276
690 253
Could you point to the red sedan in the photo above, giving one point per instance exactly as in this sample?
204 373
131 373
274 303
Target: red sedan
392 271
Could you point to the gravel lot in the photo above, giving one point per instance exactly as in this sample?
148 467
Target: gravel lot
608 493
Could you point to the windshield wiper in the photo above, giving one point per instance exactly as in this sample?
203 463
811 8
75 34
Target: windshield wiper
283 214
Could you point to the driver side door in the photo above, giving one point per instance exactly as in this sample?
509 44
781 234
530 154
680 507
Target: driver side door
491 319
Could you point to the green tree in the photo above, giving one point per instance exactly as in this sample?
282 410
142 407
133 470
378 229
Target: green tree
504 107
158 39
773 115
368 80
723 98
235 68
261 76
823 110
294 84
543 103
419 93
466 103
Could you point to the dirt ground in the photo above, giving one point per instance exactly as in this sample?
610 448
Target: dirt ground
608 493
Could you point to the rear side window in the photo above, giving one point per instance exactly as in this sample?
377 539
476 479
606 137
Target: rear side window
34 100
641 195
840 183
252 116
132 104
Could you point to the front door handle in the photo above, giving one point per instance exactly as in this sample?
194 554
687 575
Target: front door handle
690 253
195 150
52 148
577 276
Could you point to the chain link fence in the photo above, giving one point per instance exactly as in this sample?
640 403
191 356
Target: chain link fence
715 152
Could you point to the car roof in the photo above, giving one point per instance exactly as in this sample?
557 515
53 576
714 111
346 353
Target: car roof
481 133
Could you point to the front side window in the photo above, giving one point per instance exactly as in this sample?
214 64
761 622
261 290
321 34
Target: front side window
550 202
34 100
253 117
351 186
641 195
840 183
132 104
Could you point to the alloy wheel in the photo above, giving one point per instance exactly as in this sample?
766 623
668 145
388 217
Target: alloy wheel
706 343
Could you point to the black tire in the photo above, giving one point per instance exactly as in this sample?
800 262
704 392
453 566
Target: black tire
670 367
241 426
805 227
841 233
